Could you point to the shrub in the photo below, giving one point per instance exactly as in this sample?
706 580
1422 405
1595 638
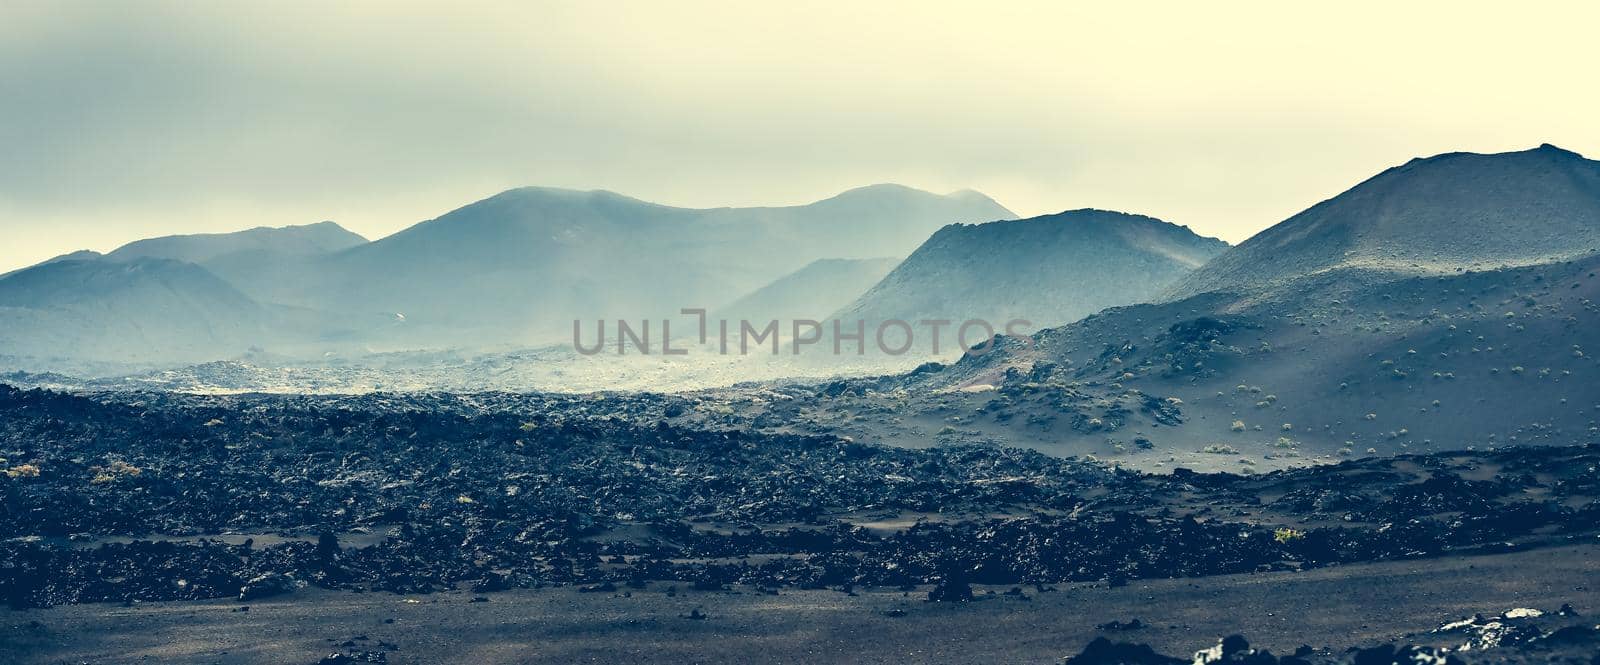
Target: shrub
23 471
117 469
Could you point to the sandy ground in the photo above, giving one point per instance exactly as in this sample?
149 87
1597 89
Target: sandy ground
1339 606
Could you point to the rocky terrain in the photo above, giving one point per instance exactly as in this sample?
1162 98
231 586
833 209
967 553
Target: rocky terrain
550 492
147 497
1383 448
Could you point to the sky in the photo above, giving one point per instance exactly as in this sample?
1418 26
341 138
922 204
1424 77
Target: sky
123 120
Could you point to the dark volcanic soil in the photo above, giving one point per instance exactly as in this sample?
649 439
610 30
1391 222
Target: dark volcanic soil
309 509
1330 609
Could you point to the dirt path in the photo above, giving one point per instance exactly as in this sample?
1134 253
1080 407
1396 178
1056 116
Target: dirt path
1338 606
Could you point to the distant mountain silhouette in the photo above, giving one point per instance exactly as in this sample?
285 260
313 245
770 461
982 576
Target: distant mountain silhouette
240 256
1439 215
509 271
80 255
138 311
812 292
202 248
518 267
1048 270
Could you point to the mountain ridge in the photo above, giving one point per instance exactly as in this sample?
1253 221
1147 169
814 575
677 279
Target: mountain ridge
495 261
317 237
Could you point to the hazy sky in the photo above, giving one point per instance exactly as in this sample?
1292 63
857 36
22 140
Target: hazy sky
121 120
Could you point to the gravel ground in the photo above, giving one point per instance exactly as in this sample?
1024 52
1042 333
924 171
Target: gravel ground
1337 607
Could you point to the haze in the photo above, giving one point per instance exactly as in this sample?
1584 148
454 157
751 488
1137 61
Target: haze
137 119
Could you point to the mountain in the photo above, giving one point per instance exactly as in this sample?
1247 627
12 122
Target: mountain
1327 368
139 311
202 248
1439 215
80 255
1384 321
519 267
98 316
1046 270
245 258
812 292
513 270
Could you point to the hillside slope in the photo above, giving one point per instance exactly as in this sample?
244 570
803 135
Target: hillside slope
821 287
1046 270
138 311
1336 366
1439 215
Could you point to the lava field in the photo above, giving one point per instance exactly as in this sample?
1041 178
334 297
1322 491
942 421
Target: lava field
141 497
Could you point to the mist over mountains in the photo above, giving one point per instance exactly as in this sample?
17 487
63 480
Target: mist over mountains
224 252
520 266
137 311
216 248
511 270
812 292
